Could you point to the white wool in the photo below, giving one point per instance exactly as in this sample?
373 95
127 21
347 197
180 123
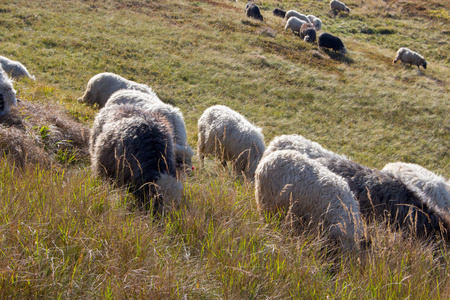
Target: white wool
14 68
294 24
229 136
300 144
338 6
294 13
103 85
290 181
7 93
436 187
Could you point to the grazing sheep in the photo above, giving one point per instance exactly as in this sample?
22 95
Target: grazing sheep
308 33
252 11
287 180
337 6
327 40
433 185
135 147
229 136
315 21
382 195
279 12
14 68
300 144
294 13
7 93
103 85
151 103
294 24
407 56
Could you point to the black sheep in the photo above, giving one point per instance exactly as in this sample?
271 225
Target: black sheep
308 32
327 40
135 148
253 11
381 194
278 12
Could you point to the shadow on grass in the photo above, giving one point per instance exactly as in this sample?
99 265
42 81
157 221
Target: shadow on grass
338 56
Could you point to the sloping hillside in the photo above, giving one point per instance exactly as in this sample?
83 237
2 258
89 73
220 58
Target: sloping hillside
66 233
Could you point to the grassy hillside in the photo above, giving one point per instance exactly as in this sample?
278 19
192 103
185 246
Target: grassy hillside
65 233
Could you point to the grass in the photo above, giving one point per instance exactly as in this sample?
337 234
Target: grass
68 234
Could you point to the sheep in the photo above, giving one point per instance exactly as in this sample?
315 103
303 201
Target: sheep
278 12
327 40
7 94
315 21
226 134
294 24
289 181
135 148
308 33
433 185
252 11
103 85
300 144
381 194
294 13
151 102
337 6
406 56
14 68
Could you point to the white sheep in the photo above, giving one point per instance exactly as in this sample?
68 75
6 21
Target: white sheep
14 68
337 6
229 136
103 85
289 181
407 56
7 93
134 147
315 21
434 186
151 102
294 13
294 24
300 144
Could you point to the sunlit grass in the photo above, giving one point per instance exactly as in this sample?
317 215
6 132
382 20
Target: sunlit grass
65 233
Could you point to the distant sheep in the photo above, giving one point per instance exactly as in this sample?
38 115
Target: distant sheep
287 180
301 144
294 24
294 13
308 33
327 40
14 68
279 12
434 186
337 6
226 134
135 148
252 10
410 57
7 93
382 195
103 85
151 103
315 21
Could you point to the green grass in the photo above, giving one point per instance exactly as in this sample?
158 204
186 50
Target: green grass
64 233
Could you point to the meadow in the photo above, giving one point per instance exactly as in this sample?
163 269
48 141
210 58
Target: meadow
67 234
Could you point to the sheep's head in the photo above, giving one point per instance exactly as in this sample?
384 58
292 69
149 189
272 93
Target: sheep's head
424 64
7 97
343 50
